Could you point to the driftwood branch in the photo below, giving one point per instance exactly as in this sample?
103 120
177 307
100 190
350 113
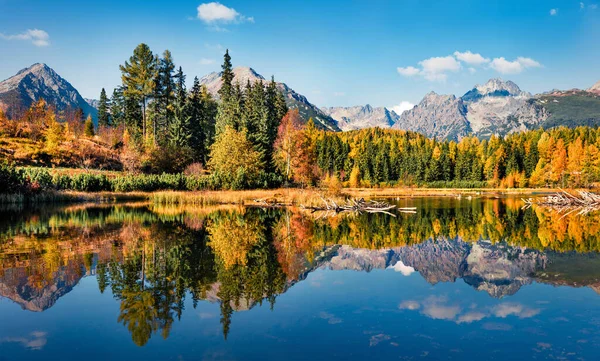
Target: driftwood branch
568 203
358 206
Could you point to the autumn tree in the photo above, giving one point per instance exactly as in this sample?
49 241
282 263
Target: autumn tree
88 129
233 160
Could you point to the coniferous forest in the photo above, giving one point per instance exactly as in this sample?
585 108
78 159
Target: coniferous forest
154 133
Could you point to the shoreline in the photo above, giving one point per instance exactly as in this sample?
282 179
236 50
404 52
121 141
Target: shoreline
292 196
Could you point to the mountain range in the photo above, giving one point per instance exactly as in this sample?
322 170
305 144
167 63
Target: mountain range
496 107
18 92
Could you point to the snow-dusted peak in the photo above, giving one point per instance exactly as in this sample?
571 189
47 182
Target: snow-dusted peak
498 85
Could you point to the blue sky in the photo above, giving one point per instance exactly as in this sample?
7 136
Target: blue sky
335 52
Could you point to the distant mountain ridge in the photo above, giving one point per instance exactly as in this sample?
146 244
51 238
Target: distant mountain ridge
359 117
18 92
500 107
242 75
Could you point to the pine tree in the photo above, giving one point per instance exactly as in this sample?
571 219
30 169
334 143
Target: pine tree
209 114
138 76
117 107
228 112
197 139
164 96
179 129
226 77
103 107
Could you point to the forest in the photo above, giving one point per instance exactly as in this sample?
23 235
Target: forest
155 134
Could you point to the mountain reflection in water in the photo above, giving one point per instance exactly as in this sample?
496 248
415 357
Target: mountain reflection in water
155 260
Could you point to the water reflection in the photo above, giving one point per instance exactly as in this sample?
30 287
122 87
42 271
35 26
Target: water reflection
152 258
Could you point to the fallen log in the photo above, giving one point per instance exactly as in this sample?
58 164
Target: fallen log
358 206
566 202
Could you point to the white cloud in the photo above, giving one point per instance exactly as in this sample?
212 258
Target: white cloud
402 268
471 58
409 305
399 109
339 94
408 71
206 61
581 5
593 6
36 36
438 68
471 316
506 309
504 66
214 12
435 69
553 12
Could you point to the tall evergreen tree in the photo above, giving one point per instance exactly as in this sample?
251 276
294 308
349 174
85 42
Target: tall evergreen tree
228 108
117 107
103 110
209 115
179 129
138 76
227 77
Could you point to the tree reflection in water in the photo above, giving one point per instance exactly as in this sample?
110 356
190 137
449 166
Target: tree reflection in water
152 258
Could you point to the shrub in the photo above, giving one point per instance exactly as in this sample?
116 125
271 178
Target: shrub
11 179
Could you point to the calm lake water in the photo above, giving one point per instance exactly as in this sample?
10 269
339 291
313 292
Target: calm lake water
461 279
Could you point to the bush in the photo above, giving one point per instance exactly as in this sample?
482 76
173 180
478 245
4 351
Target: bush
11 179
40 177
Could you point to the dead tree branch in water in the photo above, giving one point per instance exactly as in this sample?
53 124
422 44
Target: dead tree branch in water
358 206
566 202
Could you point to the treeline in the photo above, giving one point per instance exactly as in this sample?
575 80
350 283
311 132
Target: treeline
374 157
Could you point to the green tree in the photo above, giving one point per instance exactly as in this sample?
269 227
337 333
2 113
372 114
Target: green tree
103 110
138 75
117 107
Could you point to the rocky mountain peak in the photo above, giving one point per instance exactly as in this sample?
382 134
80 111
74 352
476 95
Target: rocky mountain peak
595 88
497 85
39 81
359 117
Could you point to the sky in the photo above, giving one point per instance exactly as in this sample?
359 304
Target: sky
336 53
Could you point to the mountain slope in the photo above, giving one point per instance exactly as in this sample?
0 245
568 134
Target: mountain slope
439 116
294 100
17 93
499 107
359 117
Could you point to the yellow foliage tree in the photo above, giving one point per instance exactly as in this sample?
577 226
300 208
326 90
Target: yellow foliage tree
233 159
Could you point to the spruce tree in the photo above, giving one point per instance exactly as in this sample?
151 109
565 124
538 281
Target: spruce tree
197 139
209 114
103 110
117 107
179 130
227 77
229 104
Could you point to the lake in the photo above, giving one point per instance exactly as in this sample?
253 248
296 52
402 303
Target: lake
461 279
